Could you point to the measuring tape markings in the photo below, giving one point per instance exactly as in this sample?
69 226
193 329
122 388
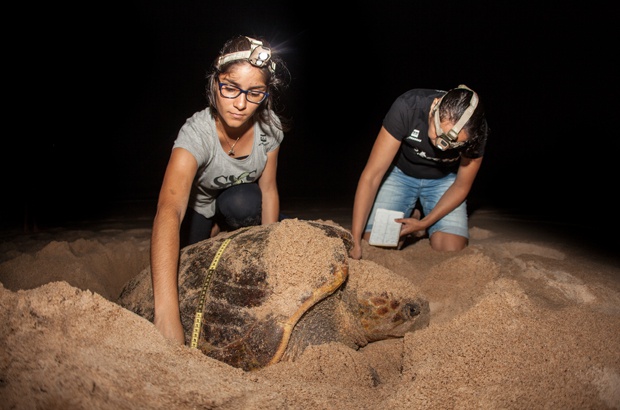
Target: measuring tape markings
205 286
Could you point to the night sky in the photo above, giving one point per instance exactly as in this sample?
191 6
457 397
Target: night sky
102 92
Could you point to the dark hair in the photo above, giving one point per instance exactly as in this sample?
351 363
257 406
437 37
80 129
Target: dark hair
270 110
452 107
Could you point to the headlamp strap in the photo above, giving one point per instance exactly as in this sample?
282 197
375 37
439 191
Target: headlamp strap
454 132
473 103
257 55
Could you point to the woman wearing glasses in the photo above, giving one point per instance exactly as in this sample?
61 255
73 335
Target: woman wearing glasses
429 149
222 170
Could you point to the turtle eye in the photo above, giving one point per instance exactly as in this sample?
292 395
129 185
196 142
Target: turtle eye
412 309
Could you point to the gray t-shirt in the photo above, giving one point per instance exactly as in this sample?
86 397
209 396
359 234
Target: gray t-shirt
216 169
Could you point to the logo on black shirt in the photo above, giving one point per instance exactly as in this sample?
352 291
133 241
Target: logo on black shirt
415 135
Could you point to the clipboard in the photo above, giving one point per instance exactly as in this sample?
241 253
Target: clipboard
385 232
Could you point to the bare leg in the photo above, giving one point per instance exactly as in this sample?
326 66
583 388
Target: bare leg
215 230
417 215
442 241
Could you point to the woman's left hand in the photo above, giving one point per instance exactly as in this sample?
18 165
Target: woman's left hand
410 225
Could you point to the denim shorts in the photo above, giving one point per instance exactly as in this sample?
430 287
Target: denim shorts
400 192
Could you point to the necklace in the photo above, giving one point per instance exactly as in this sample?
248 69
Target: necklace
231 152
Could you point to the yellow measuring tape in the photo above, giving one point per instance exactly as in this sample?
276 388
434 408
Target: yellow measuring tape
205 286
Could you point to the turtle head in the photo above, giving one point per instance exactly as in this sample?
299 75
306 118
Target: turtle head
385 316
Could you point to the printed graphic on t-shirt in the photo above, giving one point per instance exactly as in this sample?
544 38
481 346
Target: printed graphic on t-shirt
263 139
224 181
414 136
423 154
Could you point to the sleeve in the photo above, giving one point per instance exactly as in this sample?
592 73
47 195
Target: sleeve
271 137
396 121
275 141
193 137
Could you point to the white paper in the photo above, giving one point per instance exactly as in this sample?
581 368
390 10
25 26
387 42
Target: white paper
385 232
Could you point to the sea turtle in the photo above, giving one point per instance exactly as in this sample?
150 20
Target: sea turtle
258 295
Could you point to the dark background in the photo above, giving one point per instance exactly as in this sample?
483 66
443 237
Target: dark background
96 96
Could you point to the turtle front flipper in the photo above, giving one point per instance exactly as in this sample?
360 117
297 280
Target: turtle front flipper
317 295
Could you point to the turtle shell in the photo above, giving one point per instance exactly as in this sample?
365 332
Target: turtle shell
242 293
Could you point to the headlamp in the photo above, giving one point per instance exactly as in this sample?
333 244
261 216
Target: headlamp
448 140
257 55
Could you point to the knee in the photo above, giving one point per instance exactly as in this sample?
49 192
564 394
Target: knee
240 200
447 242
240 205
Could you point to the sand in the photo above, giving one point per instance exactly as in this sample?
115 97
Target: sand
520 319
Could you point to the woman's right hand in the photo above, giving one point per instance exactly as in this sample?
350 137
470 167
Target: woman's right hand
171 329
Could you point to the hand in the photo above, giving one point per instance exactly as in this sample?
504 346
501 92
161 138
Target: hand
215 230
356 251
171 329
410 225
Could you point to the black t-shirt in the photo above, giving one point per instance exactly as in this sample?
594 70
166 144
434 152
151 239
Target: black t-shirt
407 121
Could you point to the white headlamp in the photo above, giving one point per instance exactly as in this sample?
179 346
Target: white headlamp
257 55
448 140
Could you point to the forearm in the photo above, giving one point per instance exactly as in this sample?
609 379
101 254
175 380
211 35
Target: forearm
364 198
164 265
271 206
451 199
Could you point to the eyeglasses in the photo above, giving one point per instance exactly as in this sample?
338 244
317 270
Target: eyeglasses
232 91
